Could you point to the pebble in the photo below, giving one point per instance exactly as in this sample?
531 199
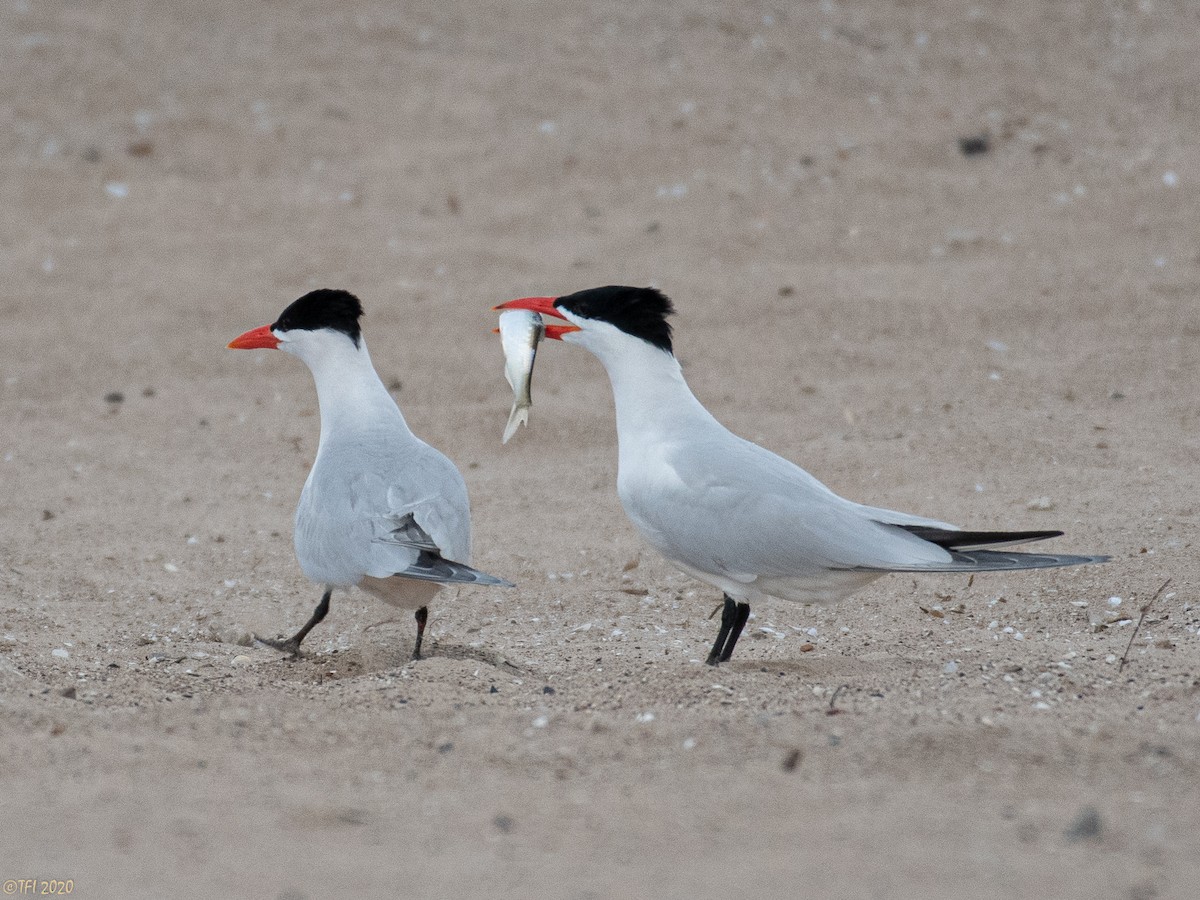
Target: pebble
240 660
1086 827
233 634
1040 503
60 653
974 145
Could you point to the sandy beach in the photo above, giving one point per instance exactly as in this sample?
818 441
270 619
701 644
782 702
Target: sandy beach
942 256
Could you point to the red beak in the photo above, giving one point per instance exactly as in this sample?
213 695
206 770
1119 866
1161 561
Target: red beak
255 339
545 306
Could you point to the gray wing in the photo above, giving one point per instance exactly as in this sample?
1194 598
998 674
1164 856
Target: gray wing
371 507
424 532
429 564
731 507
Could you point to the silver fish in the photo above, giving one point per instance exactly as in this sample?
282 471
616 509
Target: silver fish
520 333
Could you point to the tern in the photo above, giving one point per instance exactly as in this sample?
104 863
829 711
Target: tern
731 513
381 509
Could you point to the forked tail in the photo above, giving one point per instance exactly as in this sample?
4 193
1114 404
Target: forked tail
519 416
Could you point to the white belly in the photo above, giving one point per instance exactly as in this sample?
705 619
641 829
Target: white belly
404 593
832 585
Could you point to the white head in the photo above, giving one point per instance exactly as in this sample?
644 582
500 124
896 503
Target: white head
311 327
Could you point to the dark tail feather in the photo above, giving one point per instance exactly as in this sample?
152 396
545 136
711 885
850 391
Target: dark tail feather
998 561
995 561
433 567
970 540
965 555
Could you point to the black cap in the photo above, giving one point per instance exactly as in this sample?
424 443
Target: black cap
336 310
640 312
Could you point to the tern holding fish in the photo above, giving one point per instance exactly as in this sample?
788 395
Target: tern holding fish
727 511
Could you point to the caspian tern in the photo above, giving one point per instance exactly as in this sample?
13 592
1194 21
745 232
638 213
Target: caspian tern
381 509
731 513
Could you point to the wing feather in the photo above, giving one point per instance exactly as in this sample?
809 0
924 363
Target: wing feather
733 508
369 509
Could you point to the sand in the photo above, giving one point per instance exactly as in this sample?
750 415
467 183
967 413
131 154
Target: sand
1003 339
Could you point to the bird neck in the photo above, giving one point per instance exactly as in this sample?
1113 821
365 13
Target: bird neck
350 395
652 399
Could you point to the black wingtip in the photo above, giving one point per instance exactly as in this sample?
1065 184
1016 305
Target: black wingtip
432 566
966 540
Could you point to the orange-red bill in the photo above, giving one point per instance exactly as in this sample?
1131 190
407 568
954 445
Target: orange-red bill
255 339
543 305
556 332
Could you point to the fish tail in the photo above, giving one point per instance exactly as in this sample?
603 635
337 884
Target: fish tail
519 416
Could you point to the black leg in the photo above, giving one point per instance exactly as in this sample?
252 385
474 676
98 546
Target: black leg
422 616
728 616
743 614
292 644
